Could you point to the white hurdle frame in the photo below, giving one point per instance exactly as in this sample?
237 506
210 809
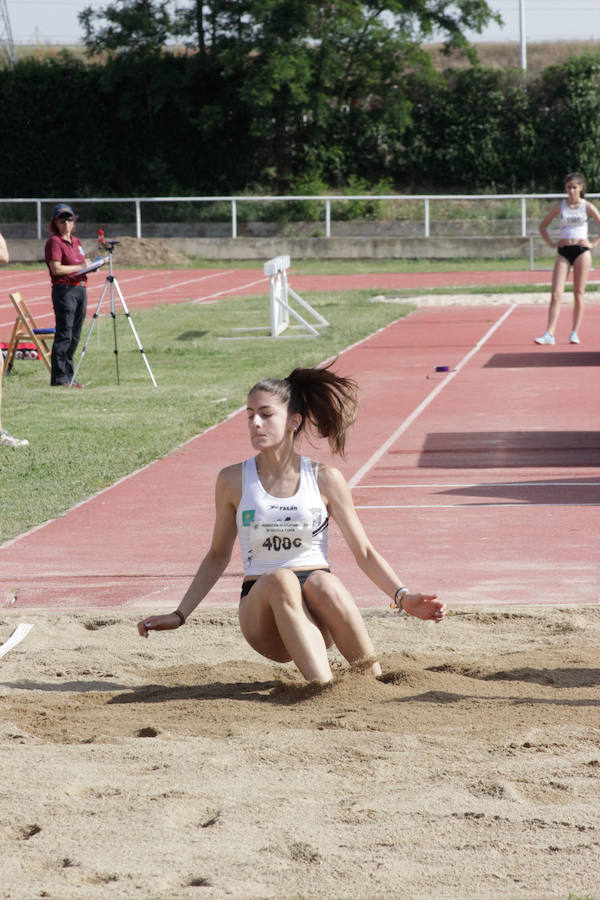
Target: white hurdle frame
280 307
276 271
279 299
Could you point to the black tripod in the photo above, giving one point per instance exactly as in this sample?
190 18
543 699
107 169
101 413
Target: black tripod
111 285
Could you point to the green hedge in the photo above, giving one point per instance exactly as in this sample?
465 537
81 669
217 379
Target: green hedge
168 124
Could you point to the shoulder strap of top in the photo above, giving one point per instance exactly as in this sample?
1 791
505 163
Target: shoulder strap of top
246 472
309 470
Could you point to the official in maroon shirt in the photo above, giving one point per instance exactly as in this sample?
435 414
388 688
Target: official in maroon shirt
65 257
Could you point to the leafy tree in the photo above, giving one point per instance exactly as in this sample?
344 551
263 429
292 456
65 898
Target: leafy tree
566 104
133 25
321 86
473 132
147 23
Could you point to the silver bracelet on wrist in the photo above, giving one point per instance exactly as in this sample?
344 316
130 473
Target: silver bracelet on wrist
399 597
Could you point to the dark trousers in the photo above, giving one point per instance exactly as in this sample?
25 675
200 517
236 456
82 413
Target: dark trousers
70 304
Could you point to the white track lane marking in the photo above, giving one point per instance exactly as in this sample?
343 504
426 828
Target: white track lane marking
479 484
232 290
470 505
425 403
169 286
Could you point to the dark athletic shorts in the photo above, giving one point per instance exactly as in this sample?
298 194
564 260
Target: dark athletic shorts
301 576
571 252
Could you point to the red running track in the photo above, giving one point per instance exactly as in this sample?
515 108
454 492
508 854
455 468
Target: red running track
482 484
149 287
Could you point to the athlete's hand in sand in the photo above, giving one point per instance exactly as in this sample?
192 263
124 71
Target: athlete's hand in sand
424 606
158 623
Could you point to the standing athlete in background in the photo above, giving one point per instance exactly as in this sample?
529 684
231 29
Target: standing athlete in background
574 249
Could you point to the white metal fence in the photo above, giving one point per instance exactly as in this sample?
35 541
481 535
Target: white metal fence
427 200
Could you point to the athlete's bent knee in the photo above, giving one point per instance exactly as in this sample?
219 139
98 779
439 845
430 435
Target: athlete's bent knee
324 593
281 587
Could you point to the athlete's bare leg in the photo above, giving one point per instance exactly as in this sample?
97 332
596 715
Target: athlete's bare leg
277 623
333 607
559 279
581 269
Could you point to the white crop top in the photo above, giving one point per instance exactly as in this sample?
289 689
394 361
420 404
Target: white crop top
573 222
277 532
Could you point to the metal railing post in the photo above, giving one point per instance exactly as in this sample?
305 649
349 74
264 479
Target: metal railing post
328 218
234 219
138 219
426 217
523 217
38 207
531 253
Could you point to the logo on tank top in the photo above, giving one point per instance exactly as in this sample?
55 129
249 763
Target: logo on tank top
317 517
248 516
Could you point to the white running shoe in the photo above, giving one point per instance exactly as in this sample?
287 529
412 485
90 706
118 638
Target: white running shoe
7 440
574 338
546 338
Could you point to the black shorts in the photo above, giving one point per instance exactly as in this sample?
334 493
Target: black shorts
571 252
301 576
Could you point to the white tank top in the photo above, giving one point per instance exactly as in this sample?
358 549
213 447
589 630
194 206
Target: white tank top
573 222
276 532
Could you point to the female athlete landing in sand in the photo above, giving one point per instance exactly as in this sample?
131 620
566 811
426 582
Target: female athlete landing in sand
292 606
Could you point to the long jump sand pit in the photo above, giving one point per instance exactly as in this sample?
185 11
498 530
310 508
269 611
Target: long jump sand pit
187 766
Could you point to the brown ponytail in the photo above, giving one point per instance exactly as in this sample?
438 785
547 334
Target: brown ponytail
327 402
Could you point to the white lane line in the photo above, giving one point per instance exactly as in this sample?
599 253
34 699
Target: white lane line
481 484
17 284
471 505
232 290
425 403
201 278
38 318
175 284
163 289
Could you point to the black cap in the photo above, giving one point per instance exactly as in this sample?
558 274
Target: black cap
62 208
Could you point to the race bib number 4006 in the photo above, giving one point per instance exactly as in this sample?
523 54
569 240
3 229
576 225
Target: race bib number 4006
280 540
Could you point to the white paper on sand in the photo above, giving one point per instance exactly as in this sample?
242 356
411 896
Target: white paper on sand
20 632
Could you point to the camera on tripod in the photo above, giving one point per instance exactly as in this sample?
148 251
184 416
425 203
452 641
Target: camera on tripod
111 287
107 243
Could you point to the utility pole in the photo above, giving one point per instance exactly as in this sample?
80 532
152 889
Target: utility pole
7 45
523 38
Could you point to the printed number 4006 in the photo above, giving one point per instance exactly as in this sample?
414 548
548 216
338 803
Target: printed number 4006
277 543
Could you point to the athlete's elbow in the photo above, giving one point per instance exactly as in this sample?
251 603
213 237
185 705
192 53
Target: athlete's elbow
218 560
364 556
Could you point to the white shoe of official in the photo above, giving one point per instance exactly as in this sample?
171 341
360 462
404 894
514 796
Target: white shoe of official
7 440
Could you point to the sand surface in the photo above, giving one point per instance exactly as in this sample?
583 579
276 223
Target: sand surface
187 766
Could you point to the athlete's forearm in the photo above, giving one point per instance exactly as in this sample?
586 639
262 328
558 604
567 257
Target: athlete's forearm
379 571
210 570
